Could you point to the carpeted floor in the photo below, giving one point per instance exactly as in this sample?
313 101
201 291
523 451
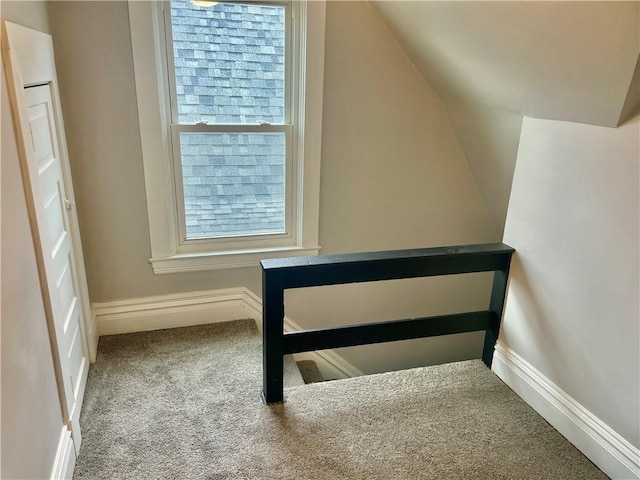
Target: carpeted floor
185 403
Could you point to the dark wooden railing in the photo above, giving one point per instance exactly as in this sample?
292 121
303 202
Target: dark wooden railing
281 274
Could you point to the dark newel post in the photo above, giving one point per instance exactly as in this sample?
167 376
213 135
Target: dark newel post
496 305
272 335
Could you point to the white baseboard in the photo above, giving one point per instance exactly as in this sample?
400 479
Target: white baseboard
169 311
199 308
65 460
600 443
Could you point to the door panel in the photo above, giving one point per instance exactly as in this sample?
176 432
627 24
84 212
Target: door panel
55 220
67 295
57 246
76 357
40 136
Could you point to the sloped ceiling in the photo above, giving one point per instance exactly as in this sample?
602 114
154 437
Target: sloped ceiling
559 60
493 62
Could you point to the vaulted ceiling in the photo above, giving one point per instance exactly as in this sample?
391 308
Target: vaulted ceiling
493 62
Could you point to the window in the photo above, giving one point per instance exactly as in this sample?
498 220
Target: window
230 102
231 117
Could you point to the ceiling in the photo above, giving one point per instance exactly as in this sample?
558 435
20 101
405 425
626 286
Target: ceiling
569 61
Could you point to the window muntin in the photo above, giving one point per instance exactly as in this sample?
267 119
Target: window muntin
228 67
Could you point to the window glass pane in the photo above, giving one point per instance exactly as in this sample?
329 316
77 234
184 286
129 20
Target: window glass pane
234 183
229 62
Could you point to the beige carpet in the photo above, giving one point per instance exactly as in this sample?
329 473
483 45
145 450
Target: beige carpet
184 403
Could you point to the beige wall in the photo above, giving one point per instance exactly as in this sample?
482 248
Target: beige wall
31 415
572 307
489 139
95 71
32 14
393 175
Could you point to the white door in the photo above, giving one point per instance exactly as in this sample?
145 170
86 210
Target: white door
59 263
31 75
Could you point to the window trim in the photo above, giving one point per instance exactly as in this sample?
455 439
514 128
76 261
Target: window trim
232 242
168 255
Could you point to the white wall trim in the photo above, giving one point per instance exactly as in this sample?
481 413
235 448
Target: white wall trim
169 311
195 262
65 460
599 442
199 308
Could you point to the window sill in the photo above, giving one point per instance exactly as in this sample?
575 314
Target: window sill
192 262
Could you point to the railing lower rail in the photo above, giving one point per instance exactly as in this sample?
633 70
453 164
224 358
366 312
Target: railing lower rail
281 274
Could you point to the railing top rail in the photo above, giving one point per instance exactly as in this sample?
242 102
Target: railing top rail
301 272
481 249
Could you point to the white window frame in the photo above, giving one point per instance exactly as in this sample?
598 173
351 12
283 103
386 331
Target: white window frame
169 252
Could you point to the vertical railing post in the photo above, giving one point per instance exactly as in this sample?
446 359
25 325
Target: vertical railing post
272 335
496 305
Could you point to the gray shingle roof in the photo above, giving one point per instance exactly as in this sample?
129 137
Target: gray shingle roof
229 63
228 57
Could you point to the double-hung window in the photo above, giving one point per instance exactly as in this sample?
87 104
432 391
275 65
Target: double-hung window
230 102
